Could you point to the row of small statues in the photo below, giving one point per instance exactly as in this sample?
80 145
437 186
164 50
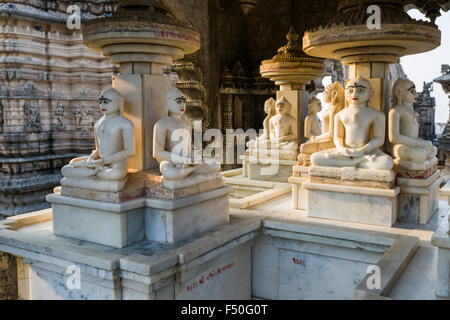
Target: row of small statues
115 146
352 132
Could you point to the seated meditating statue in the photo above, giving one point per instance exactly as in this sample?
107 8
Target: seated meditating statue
334 96
355 145
172 148
313 125
283 134
410 152
269 109
115 146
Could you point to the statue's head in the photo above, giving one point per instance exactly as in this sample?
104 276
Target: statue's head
359 91
176 101
314 106
269 106
283 106
404 92
111 101
335 94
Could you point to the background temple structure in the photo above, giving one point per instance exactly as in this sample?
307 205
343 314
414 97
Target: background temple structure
140 221
50 81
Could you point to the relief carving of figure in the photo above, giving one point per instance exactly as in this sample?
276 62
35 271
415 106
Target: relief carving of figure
33 117
59 114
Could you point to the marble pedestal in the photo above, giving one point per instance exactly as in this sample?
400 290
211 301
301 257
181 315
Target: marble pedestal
216 265
441 240
354 204
269 169
116 225
171 221
123 224
299 177
418 200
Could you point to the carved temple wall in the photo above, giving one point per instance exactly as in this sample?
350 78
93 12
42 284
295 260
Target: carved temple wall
49 87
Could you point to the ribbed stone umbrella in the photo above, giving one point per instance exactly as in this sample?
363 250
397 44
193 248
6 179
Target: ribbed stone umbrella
367 50
292 70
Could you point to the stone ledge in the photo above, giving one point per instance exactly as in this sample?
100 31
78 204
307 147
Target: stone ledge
389 193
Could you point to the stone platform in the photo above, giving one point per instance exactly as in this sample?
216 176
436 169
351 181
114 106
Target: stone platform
418 200
441 240
247 193
353 204
126 223
267 169
300 175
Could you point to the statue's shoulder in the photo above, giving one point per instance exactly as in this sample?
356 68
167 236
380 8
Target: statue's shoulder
125 122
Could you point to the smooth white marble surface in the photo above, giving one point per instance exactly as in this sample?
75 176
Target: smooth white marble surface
175 225
418 203
305 276
360 205
278 171
226 278
299 197
107 228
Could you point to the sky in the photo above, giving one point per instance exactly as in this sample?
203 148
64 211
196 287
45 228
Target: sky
425 66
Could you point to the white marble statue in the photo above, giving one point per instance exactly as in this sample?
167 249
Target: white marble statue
359 133
335 97
115 146
410 152
172 147
313 125
269 109
282 133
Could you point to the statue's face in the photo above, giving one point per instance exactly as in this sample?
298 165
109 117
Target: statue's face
316 106
108 105
357 93
327 96
410 95
282 108
177 105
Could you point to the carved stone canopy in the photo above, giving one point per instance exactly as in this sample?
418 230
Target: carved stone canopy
347 37
141 31
291 65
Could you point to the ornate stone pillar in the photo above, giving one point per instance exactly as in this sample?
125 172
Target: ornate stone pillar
292 71
142 38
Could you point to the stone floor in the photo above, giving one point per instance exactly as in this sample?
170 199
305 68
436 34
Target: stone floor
418 281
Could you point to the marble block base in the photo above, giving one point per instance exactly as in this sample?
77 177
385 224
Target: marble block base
171 221
353 204
441 240
405 169
418 200
300 176
269 169
109 224
351 176
94 184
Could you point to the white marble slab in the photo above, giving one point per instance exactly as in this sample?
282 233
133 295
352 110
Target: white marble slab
229 279
352 204
304 276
